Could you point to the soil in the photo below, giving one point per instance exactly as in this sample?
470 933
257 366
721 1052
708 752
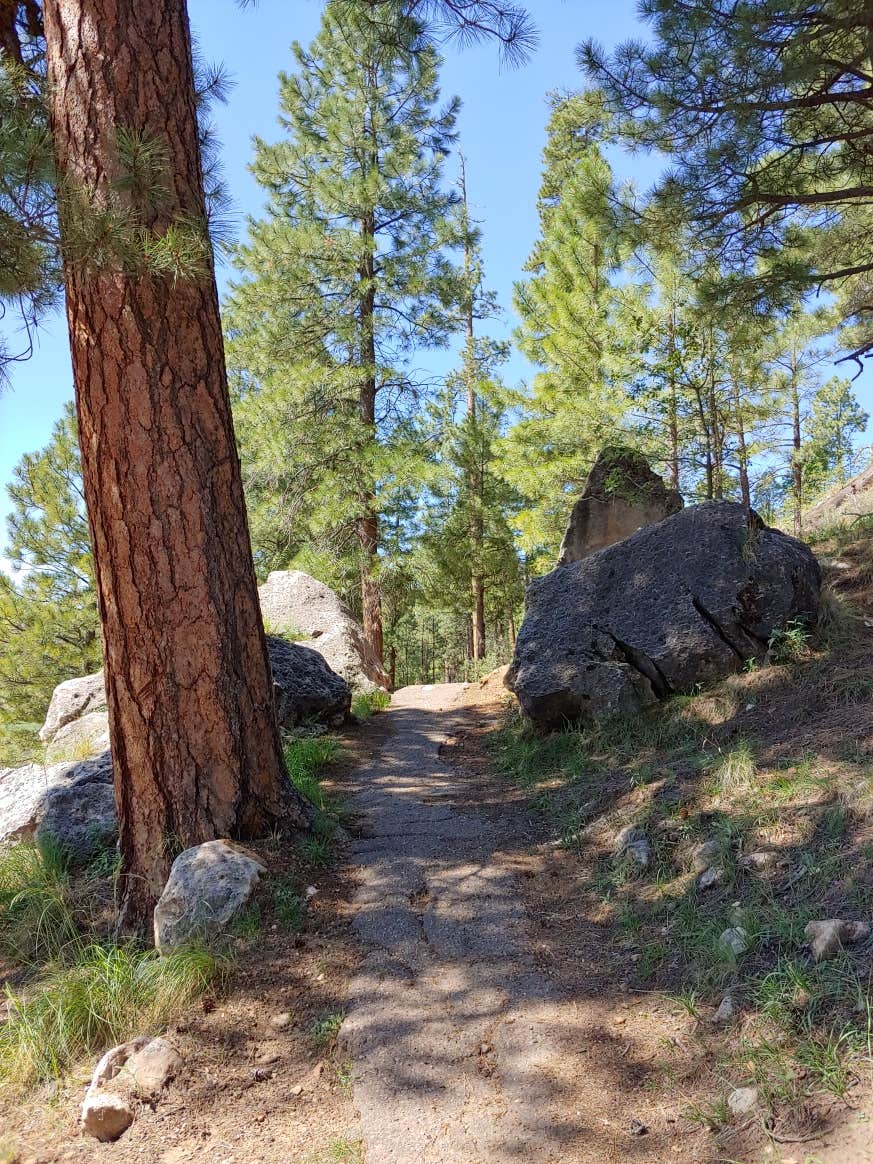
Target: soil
499 1022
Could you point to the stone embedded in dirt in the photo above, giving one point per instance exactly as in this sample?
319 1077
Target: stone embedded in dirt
631 841
106 1115
208 886
296 603
280 1021
710 877
70 804
622 494
742 1100
80 739
137 1070
150 1068
726 1010
637 1128
760 861
704 855
304 685
736 938
71 700
686 601
826 938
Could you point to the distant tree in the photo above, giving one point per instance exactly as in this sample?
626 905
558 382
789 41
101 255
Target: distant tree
346 277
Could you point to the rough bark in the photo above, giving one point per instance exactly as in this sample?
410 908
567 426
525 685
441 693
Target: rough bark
192 720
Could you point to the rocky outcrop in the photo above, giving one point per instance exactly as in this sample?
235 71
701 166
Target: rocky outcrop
71 700
70 805
622 494
208 886
685 601
293 603
80 739
304 685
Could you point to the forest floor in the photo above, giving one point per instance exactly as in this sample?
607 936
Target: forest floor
477 979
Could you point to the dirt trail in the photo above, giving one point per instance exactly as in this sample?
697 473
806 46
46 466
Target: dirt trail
451 1024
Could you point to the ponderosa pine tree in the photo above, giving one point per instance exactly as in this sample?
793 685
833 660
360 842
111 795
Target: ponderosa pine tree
193 727
566 307
467 552
346 277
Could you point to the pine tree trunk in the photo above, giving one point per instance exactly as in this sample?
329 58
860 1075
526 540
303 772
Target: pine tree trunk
742 450
195 744
475 474
796 462
367 524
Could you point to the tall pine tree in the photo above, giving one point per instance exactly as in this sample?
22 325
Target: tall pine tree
346 277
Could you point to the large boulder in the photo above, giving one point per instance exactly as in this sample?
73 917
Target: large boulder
79 739
685 601
294 603
208 887
71 700
71 805
622 494
304 685
77 724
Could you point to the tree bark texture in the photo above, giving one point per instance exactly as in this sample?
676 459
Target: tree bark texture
194 738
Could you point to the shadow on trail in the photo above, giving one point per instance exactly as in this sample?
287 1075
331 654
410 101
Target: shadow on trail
458 1036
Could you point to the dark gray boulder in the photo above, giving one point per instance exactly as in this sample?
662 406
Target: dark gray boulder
685 601
305 686
70 805
622 494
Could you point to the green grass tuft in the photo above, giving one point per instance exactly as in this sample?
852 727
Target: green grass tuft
367 703
37 915
103 996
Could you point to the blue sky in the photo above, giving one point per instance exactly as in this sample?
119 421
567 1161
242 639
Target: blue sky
502 128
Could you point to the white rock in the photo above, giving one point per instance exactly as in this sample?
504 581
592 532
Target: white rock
294 602
765 859
106 1115
710 877
726 1010
207 887
71 700
150 1068
633 842
742 1100
826 938
704 855
735 938
280 1021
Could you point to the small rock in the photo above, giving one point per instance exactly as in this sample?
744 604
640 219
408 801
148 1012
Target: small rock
280 1021
726 1010
631 841
106 1115
826 938
297 1089
704 855
710 877
311 890
742 1100
635 1128
735 938
152 1067
208 886
765 859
